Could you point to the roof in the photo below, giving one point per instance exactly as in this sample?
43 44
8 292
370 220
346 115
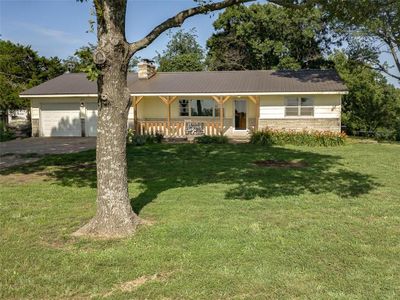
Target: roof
216 82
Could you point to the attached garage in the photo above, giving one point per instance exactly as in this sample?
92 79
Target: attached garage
60 119
91 119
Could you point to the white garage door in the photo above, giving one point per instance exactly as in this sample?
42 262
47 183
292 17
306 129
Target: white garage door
60 119
91 119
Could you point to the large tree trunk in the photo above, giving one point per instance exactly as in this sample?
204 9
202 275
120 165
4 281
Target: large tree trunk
114 217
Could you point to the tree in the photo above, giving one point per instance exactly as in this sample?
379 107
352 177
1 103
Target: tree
183 53
114 216
371 27
20 69
267 36
372 103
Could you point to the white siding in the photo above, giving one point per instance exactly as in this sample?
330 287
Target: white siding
325 107
272 107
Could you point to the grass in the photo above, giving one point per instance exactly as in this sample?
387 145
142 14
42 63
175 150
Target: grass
222 227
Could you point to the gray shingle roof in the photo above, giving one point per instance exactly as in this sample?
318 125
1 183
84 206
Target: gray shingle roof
204 82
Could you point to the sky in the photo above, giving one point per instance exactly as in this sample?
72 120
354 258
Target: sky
59 27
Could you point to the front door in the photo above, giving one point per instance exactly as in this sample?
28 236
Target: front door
240 115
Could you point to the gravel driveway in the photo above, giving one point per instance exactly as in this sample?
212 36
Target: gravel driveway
18 152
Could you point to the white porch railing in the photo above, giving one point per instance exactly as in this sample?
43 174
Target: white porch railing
179 128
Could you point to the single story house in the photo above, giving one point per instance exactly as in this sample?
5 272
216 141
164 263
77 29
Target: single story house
178 104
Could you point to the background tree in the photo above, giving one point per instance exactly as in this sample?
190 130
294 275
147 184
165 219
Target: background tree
372 103
267 36
20 69
183 53
370 27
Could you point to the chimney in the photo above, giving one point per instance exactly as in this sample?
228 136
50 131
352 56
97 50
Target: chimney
146 69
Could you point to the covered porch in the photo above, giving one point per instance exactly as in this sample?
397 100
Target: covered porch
193 115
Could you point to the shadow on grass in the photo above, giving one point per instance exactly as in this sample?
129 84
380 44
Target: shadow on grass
162 167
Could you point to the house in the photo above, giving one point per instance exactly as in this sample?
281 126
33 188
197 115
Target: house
191 103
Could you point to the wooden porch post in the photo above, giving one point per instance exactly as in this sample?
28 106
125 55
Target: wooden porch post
221 116
135 120
168 101
257 112
169 116
221 100
136 100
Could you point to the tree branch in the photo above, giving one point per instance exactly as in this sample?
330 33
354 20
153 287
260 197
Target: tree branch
381 68
179 18
177 21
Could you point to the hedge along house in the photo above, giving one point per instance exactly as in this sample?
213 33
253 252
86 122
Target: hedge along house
180 104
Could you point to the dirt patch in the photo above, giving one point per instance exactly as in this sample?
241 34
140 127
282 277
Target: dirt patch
130 286
280 164
20 178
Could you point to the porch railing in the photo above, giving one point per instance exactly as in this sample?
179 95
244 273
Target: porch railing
179 128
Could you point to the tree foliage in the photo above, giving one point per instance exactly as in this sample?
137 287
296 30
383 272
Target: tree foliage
372 103
370 27
183 53
22 68
267 36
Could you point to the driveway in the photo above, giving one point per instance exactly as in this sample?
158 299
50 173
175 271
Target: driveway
22 151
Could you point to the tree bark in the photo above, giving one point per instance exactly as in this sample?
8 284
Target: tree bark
115 217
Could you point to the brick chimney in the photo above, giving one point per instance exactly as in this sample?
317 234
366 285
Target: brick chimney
146 69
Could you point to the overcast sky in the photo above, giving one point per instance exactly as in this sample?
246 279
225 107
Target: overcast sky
59 27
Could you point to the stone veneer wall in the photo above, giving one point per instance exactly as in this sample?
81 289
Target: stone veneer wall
301 124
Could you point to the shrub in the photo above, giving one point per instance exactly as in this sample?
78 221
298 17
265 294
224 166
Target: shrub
140 140
385 134
5 133
300 138
211 139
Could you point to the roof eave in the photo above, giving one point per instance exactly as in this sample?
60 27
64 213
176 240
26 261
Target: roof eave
191 94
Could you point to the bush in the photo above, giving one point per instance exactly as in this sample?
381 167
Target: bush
5 133
300 138
211 139
385 134
140 140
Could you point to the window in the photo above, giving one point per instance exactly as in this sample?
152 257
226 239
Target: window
299 106
184 108
197 108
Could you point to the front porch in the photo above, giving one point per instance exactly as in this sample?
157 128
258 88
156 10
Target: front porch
186 116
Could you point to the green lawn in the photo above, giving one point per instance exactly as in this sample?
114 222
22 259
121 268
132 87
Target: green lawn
221 227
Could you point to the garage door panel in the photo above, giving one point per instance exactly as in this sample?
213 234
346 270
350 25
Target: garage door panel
60 119
91 119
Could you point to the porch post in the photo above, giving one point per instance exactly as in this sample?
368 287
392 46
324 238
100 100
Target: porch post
169 116
257 112
221 115
168 101
136 100
135 120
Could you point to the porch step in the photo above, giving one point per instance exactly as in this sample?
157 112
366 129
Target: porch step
240 139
